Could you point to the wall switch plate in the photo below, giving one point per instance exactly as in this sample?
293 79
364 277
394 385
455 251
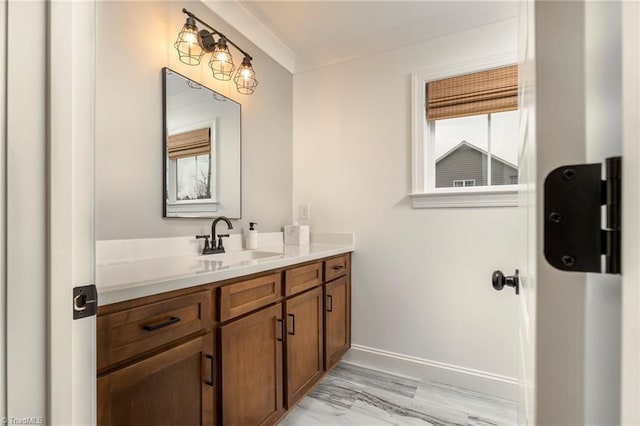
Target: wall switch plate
304 211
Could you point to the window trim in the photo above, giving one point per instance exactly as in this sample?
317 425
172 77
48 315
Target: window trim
423 197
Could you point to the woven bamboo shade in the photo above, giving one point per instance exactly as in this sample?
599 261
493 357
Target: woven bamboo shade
482 92
189 144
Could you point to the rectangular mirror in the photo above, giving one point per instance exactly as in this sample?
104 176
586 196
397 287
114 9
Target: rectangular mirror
202 150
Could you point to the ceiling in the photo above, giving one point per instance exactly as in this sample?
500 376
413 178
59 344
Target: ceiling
319 33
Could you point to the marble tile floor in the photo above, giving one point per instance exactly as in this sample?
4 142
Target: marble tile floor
353 395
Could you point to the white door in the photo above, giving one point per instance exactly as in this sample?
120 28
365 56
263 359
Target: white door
50 358
572 97
72 343
630 371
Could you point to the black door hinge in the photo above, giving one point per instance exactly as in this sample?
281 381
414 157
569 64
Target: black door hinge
85 301
574 239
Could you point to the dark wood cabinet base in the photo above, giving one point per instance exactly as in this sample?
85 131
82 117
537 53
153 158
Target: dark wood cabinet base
236 353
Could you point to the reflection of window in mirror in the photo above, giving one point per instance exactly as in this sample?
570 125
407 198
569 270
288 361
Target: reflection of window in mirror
191 160
193 178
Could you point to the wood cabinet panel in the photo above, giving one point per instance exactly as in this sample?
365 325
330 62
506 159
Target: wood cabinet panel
170 388
303 278
246 296
304 343
251 368
337 320
336 267
128 333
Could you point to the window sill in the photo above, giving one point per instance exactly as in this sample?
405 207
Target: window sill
465 199
196 207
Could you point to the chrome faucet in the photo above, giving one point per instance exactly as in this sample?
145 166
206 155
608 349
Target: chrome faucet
219 248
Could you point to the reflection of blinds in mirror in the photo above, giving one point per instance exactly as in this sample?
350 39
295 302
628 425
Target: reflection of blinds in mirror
481 92
189 144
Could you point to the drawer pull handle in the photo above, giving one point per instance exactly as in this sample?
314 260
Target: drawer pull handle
293 324
163 324
211 374
337 267
330 307
281 338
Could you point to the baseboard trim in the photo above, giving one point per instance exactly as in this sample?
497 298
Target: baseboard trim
481 381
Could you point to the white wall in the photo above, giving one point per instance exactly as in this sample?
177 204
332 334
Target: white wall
421 278
134 41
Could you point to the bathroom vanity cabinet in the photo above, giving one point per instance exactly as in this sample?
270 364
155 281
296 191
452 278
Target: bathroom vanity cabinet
237 352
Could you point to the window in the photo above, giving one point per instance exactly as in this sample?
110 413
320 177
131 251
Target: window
479 147
465 135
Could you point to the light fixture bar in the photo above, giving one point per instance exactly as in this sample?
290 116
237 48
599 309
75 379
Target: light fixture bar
216 32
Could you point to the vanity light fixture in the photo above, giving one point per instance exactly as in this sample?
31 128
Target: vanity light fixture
193 44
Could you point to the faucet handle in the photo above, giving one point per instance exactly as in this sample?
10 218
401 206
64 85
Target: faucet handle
220 237
206 241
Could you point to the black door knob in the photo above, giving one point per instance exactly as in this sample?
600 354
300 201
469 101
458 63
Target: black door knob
499 281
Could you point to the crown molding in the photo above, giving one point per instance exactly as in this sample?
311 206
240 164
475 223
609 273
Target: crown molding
249 26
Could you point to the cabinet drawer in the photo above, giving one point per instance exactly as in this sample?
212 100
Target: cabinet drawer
336 267
246 296
125 334
303 278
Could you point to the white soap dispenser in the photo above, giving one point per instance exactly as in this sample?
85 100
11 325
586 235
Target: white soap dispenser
252 237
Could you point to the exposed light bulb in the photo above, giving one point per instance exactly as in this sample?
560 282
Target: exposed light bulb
191 38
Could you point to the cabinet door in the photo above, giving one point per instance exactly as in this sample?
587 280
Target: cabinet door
304 343
337 317
173 388
251 368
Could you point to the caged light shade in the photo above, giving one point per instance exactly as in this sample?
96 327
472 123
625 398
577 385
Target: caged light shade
189 50
221 62
245 78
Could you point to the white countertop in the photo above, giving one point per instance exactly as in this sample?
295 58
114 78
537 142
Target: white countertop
122 280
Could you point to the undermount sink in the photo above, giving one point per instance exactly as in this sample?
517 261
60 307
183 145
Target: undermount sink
239 257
